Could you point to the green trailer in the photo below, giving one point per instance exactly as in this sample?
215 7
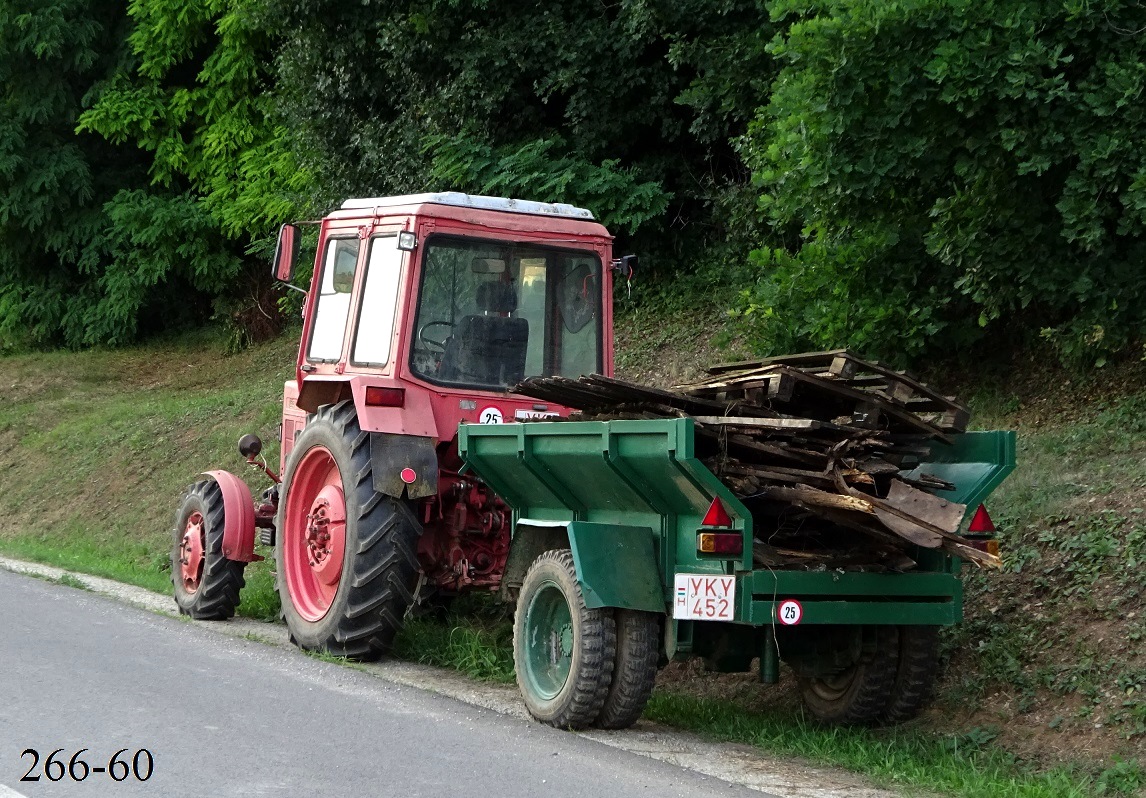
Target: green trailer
627 551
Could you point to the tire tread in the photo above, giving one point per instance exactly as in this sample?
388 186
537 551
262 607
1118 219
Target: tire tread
598 639
634 671
916 674
380 577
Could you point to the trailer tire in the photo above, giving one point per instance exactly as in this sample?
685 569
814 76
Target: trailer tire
859 694
563 652
345 554
916 673
206 584
634 668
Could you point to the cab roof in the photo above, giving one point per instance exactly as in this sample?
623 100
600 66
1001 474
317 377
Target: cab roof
458 199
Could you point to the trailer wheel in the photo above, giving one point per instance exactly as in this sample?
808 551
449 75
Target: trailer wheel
916 674
345 554
859 693
563 652
634 669
206 583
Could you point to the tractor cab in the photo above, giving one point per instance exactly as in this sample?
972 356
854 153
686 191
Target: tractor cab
427 309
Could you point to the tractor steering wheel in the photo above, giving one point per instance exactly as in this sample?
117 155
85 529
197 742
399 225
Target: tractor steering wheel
437 347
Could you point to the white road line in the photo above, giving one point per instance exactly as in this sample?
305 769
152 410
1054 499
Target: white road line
8 792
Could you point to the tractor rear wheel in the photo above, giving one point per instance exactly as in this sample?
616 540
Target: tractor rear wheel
916 674
634 669
345 555
859 693
563 652
206 583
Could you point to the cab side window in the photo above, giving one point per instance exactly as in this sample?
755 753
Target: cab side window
379 302
333 302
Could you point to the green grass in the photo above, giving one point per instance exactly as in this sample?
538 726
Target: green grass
1061 630
96 449
966 765
474 637
68 580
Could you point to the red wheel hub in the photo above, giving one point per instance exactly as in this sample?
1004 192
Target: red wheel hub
314 534
326 534
191 552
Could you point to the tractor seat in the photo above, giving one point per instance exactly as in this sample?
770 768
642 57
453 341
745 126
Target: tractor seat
488 349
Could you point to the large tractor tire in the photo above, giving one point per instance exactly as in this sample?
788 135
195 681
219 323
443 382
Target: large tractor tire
916 673
206 583
563 652
634 669
859 693
345 555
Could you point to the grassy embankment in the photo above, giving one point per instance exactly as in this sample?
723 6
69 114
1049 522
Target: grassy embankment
1044 693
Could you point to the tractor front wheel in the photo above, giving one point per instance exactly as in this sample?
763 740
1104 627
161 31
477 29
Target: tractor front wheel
206 583
563 652
345 555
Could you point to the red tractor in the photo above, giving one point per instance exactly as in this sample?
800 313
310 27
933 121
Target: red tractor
423 311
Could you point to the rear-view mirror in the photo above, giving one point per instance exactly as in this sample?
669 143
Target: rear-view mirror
488 266
286 252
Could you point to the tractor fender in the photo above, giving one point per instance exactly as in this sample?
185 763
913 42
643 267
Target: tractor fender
238 517
616 564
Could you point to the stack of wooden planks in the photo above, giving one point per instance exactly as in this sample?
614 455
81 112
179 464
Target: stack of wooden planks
817 446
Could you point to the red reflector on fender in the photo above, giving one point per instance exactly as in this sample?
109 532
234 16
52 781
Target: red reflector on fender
377 396
716 515
981 523
720 543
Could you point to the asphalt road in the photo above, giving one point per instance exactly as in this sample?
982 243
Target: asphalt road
222 716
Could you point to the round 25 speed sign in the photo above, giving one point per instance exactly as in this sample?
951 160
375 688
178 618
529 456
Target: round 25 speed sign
789 612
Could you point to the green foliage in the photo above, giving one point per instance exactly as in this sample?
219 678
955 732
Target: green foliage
619 199
621 108
100 242
52 183
844 294
980 160
193 96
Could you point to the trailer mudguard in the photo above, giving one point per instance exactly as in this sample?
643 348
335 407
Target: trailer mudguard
238 517
616 564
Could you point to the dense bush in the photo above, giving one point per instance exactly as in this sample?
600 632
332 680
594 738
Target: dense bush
954 169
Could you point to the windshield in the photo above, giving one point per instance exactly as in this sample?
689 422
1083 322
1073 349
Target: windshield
491 314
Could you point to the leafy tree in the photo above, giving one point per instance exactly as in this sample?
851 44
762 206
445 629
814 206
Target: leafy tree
100 241
619 108
195 96
945 169
52 183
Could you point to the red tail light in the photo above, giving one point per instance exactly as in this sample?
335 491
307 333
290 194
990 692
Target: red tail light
981 523
716 515
720 543
377 396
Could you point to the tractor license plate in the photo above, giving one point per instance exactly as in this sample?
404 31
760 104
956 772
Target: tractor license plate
703 597
524 415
